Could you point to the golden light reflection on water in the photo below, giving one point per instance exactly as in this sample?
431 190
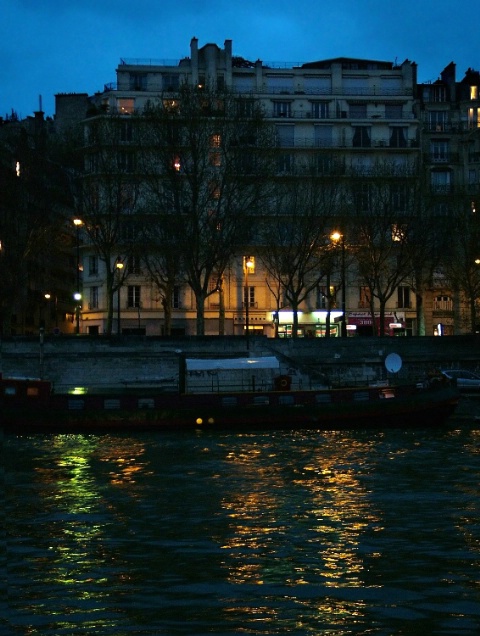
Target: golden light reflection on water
273 534
331 507
80 558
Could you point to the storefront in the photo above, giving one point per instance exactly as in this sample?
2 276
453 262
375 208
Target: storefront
360 324
310 324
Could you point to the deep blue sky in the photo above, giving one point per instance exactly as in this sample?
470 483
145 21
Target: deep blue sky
61 46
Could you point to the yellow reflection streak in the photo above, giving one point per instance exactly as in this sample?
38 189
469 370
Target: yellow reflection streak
78 537
331 510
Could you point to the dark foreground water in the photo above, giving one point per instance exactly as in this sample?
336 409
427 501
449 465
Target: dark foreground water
264 533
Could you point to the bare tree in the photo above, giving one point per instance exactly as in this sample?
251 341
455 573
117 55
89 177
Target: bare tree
461 262
34 204
294 240
163 262
206 159
428 237
108 197
381 232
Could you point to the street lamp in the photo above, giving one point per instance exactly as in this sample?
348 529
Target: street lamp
249 265
338 237
119 266
77 296
48 297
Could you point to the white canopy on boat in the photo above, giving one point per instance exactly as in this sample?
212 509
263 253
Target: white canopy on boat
198 364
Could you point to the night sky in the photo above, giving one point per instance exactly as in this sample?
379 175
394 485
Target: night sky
62 46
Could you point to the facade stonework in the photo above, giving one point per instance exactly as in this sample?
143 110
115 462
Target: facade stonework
343 117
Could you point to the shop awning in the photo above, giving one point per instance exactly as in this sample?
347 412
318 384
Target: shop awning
364 319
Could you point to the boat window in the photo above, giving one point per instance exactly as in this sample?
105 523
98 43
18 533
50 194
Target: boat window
360 396
146 403
261 400
229 401
111 403
76 405
323 398
287 400
32 391
387 393
10 390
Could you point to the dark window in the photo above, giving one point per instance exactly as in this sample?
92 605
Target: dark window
171 82
404 296
397 137
361 137
134 295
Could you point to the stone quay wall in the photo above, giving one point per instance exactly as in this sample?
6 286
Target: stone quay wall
71 361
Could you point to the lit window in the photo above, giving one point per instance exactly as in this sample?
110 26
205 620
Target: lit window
474 117
17 168
398 233
442 303
473 92
215 159
170 105
215 141
126 106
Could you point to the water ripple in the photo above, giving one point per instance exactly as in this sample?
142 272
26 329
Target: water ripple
214 533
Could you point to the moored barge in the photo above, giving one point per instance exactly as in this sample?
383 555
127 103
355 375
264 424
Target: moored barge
30 405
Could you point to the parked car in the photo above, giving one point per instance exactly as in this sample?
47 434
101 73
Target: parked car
466 380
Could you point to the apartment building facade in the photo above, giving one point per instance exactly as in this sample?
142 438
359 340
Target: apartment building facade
449 114
350 111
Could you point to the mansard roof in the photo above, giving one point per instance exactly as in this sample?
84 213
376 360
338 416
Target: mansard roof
349 62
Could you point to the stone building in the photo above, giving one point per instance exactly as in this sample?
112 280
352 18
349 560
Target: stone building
353 112
36 258
449 114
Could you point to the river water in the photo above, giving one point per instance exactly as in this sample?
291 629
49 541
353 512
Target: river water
296 533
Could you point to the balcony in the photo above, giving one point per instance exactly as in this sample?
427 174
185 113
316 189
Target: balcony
298 113
442 157
372 91
309 142
444 188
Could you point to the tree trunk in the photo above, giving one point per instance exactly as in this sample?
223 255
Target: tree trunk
473 313
371 302
381 319
295 322
200 301
110 292
329 305
167 316
221 311
420 313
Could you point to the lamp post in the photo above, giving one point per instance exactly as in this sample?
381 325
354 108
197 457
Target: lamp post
119 266
77 296
249 265
48 297
338 237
